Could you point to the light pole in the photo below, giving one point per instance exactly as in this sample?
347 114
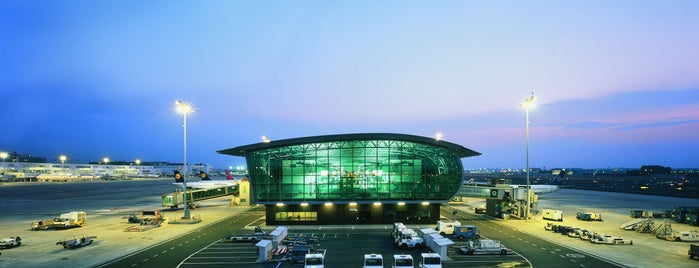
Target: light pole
184 109
63 160
528 103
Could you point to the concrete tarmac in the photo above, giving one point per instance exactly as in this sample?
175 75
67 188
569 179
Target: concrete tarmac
646 251
107 202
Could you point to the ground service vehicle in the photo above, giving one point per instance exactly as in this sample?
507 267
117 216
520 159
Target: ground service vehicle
298 253
553 215
373 261
430 260
11 242
403 261
693 251
484 246
684 236
589 216
446 227
76 242
408 238
315 260
611 240
465 232
147 217
64 221
254 237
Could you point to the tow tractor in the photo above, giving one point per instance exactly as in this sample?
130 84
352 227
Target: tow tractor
315 260
403 261
76 242
430 260
11 242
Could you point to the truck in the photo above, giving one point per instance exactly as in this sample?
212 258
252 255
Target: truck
484 246
446 227
465 232
315 259
589 216
403 261
408 238
430 260
373 261
64 221
76 242
691 236
11 242
552 214
693 251
254 237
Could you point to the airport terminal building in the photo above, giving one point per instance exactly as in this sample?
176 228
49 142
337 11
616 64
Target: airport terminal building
366 178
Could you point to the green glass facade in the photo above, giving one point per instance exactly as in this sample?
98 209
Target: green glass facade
351 168
357 170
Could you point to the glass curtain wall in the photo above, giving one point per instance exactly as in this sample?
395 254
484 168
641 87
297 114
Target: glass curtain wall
371 170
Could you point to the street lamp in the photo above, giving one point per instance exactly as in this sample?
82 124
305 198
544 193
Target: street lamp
184 109
4 156
528 103
63 160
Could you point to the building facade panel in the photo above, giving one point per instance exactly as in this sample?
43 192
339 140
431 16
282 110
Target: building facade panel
353 178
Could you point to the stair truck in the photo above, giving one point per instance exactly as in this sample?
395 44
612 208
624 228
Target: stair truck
430 260
403 261
484 246
373 261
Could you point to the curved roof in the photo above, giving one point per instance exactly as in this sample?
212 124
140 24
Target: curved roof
452 147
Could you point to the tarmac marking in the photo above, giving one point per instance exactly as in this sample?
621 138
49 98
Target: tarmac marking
163 252
155 256
144 260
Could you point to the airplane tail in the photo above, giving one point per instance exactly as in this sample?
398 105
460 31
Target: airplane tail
178 176
204 176
558 180
228 175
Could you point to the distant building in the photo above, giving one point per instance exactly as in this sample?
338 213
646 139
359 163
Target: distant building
353 178
655 169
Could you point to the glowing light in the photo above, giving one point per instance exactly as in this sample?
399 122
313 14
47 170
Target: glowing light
401 203
280 204
328 204
304 204
425 203
353 203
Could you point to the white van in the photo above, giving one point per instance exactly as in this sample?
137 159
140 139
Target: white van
553 215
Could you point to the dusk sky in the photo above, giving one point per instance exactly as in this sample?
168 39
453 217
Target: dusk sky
617 82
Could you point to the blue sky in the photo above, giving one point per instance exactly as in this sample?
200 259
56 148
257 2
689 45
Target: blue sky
617 82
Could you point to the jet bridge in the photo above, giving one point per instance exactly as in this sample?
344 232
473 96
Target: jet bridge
175 199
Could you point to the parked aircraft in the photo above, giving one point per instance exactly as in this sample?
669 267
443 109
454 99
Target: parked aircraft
205 182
